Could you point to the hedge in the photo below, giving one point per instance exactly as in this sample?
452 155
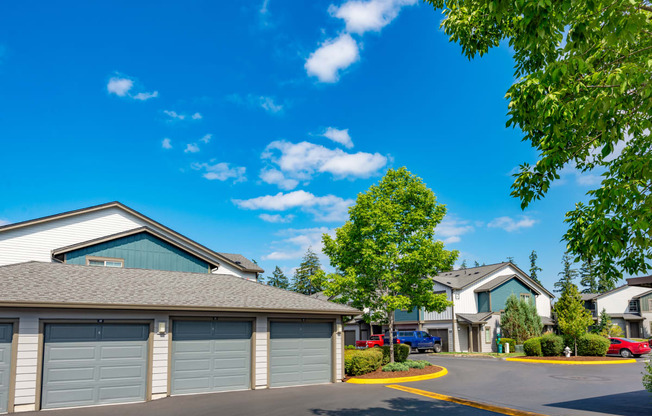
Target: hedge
401 352
510 341
551 345
532 347
417 363
589 345
358 362
396 367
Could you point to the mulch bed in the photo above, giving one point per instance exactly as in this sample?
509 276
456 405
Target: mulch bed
572 358
392 374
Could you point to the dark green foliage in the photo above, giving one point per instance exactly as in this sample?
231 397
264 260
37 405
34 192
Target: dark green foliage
532 347
476 264
567 275
358 362
396 367
510 341
511 260
603 325
349 347
463 265
551 345
647 376
417 363
592 345
520 319
278 279
534 269
401 352
572 318
307 278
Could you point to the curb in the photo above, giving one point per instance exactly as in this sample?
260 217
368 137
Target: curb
394 380
521 360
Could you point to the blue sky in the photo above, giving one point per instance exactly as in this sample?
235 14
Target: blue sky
251 126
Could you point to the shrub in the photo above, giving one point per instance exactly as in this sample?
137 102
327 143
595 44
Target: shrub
358 362
350 347
401 352
396 367
510 341
592 345
417 363
532 347
551 345
647 377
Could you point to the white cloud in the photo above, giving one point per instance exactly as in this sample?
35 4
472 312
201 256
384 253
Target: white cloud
174 114
302 160
144 96
509 224
588 179
332 56
191 148
197 116
372 15
339 136
276 177
451 228
296 243
119 86
276 218
264 8
207 138
221 171
166 143
268 104
323 208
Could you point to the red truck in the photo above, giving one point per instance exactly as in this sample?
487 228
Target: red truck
373 341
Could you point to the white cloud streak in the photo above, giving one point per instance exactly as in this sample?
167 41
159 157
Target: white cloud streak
144 96
276 177
174 114
191 148
510 224
368 16
221 171
196 116
207 138
166 143
323 208
296 243
332 56
339 136
452 228
119 86
276 218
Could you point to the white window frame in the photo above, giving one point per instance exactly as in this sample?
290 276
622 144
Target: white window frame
526 297
487 334
104 261
635 302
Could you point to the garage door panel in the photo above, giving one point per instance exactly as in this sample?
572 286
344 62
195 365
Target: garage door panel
211 356
6 333
300 353
107 367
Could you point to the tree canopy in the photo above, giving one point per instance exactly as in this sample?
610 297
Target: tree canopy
278 279
567 275
573 318
387 251
534 269
309 277
582 99
520 320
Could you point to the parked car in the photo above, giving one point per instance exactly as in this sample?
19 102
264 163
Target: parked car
627 348
417 340
373 341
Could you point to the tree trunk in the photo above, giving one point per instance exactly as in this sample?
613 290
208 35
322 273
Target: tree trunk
575 341
391 337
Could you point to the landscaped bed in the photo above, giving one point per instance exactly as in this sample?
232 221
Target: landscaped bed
380 374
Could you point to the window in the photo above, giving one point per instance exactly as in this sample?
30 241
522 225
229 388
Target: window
633 305
525 297
649 305
104 262
614 341
487 334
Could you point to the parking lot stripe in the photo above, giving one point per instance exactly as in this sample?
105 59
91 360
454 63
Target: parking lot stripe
478 405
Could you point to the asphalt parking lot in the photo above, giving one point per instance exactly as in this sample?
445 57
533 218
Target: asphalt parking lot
544 389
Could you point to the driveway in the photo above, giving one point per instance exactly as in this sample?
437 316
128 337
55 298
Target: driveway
545 389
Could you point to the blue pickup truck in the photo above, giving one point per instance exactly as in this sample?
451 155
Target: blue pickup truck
416 340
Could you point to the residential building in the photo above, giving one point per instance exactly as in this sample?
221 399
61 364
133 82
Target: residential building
104 305
478 295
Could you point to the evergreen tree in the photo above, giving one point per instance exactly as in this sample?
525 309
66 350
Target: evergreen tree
278 279
567 275
573 318
463 265
534 269
476 264
511 260
309 277
520 320
603 325
588 278
605 284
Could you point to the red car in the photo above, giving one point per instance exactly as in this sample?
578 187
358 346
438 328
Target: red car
627 348
374 341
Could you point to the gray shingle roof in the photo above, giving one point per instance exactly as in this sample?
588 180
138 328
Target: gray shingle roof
242 261
61 285
474 318
588 296
458 279
499 281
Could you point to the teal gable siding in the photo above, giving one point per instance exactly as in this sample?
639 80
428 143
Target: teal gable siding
500 294
483 302
142 251
404 316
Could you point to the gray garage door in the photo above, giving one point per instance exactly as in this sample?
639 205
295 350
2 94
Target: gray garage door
6 332
209 356
300 353
90 364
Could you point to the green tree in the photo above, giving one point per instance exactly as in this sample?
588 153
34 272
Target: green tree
582 100
588 278
520 320
476 264
603 325
278 279
463 265
386 251
568 274
605 284
511 260
647 376
308 277
534 269
572 318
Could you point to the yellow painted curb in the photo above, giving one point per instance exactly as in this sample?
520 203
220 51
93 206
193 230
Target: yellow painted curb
630 361
438 374
465 402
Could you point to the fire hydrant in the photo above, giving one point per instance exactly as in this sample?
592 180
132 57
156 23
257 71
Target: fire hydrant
567 352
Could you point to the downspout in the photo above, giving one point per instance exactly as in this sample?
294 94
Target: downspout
454 320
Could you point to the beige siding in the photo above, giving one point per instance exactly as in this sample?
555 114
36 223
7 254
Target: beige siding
445 315
618 301
261 351
339 340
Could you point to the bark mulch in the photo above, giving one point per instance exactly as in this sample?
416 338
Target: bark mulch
393 374
572 358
